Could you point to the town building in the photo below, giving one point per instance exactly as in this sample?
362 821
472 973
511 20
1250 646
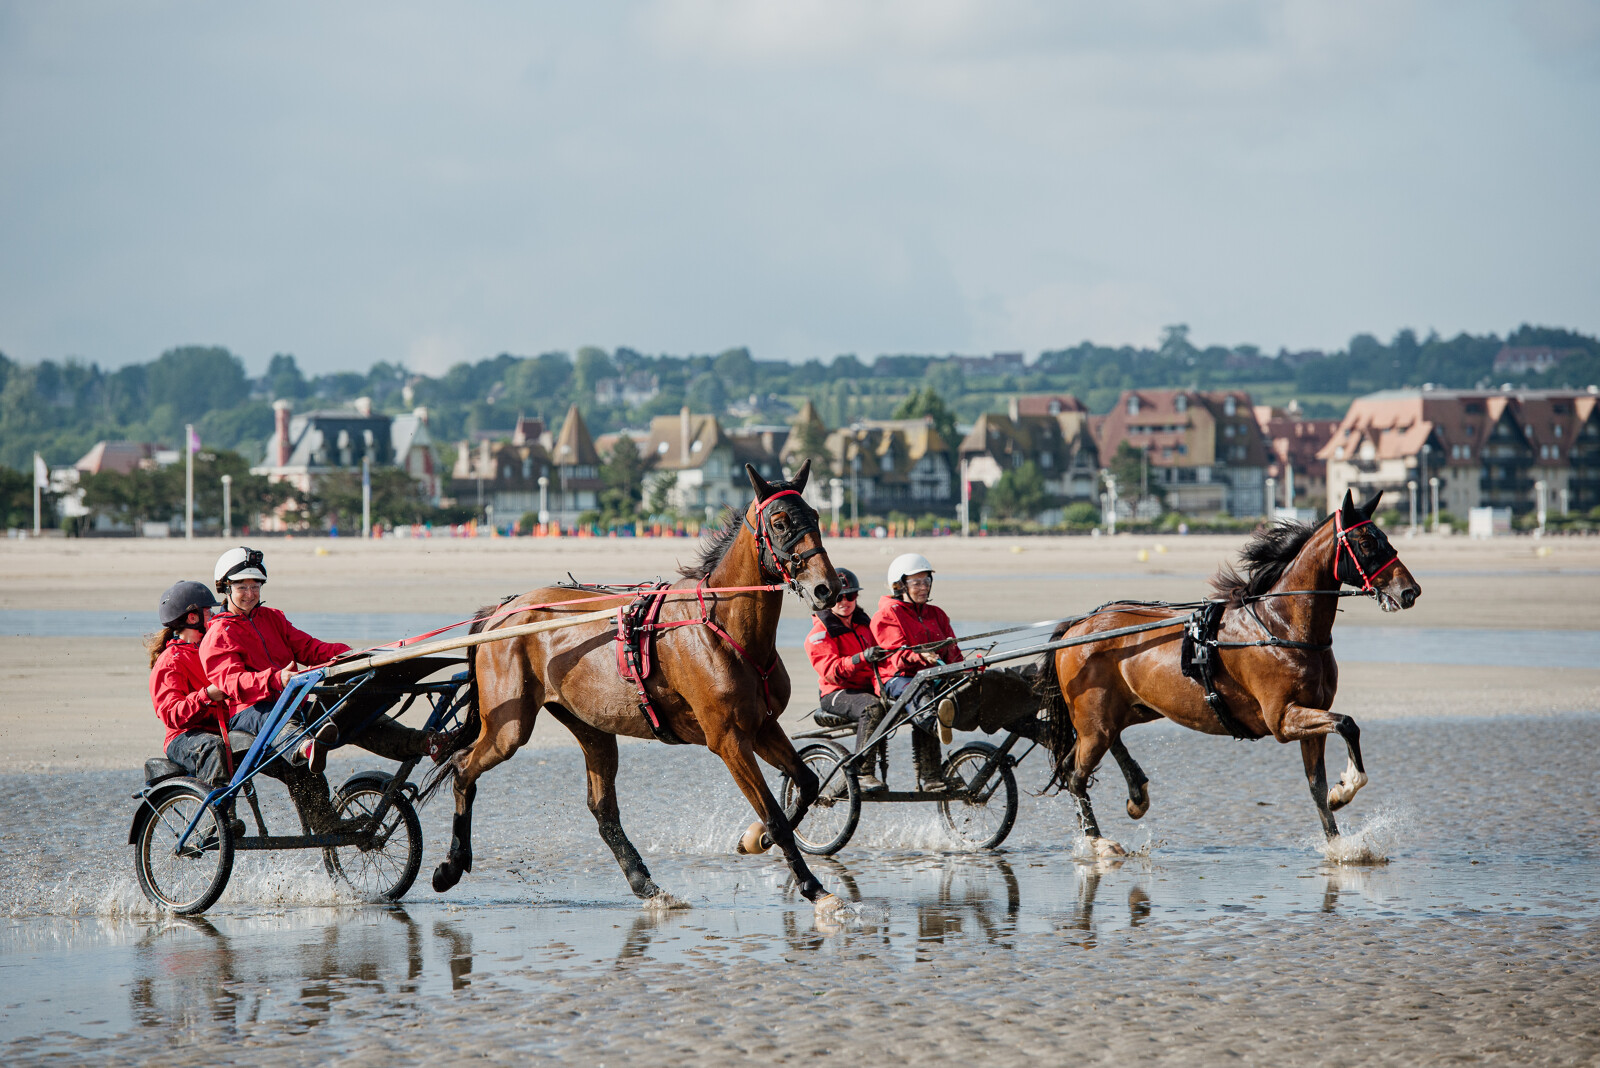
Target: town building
305 447
1205 449
1053 432
702 462
894 465
629 390
1486 448
1529 359
1300 479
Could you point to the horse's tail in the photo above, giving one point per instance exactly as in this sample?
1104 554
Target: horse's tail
471 726
1060 735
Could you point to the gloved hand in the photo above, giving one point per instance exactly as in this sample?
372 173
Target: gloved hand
870 656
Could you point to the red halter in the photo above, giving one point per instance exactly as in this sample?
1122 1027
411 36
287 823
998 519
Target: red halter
1343 546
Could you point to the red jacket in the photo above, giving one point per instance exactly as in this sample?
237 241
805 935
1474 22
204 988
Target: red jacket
242 655
831 644
178 690
900 623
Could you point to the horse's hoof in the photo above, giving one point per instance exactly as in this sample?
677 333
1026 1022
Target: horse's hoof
827 905
444 877
1105 847
1137 809
661 901
1344 791
755 839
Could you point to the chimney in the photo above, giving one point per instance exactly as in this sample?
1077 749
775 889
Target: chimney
683 422
1014 409
364 406
280 415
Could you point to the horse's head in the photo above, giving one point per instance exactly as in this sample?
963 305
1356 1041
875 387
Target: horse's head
1364 557
789 538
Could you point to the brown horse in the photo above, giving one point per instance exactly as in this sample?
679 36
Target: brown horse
717 680
1275 671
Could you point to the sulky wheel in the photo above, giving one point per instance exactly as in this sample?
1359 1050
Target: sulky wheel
190 881
832 817
384 869
980 822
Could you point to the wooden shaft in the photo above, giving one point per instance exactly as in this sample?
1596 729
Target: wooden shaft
444 645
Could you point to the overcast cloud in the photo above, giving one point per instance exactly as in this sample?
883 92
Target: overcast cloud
432 183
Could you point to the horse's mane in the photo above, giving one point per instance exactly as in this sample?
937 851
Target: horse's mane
1266 556
714 545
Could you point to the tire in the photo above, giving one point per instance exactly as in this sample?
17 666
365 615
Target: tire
981 824
829 822
190 883
386 870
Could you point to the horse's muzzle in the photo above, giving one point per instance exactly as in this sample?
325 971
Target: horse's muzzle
1408 596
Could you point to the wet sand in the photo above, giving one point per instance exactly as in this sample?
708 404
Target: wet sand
1460 921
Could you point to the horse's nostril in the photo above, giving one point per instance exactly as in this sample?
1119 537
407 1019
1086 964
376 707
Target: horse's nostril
1408 597
821 591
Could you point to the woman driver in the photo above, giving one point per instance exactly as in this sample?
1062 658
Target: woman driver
251 651
904 620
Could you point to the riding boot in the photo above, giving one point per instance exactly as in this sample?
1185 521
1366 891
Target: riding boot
866 772
925 754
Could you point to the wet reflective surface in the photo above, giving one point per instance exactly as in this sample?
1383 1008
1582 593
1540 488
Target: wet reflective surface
1468 924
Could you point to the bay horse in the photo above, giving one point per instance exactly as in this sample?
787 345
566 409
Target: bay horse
717 679
1274 665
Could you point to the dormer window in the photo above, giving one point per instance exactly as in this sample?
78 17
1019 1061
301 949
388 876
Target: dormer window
697 446
1181 403
661 449
566 450
1367 451
1133 405
1229 406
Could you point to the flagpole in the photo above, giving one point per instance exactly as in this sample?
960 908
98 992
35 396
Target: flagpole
366 496
188 481
38 461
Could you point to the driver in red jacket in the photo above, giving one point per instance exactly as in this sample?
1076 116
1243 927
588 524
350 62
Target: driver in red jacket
250 652
905 621
846 655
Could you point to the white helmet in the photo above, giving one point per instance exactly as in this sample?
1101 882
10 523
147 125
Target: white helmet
907 564
240 563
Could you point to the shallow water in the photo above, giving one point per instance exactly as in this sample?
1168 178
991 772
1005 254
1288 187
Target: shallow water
1476 907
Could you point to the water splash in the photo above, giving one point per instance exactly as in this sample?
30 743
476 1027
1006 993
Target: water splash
1371 843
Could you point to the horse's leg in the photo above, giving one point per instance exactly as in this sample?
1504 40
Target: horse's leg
1304 725
1311 750
1355 772
1138 784
600 757
773 745
737 751
1090 749
505 729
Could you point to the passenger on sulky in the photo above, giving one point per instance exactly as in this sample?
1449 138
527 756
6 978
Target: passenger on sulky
916 635
846 655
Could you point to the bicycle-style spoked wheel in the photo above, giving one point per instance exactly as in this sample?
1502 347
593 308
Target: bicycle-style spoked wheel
832 817
984 820
385 869
189 881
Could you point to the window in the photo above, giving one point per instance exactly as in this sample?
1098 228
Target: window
1046 460
1466 452
1338 452
1133 405
1228 406
661 449
697 446
1227 430
1556 430
1181 403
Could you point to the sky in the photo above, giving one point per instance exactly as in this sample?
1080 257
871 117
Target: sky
429 183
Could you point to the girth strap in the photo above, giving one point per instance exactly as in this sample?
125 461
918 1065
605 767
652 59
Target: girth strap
636 637
1198 661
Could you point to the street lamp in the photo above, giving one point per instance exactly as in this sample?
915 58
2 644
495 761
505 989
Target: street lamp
1111 504
1541 488
1272 497
544 499
227 506
1411 488
1433 488
836 497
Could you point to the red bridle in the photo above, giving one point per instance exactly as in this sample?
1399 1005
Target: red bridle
767 546
1343 545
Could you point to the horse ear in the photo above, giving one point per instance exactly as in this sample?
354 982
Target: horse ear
1371 506
757 483
801 475
1348 508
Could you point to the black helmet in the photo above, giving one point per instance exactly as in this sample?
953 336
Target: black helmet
848 583
183 598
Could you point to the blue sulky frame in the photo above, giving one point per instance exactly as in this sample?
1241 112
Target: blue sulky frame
446 710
